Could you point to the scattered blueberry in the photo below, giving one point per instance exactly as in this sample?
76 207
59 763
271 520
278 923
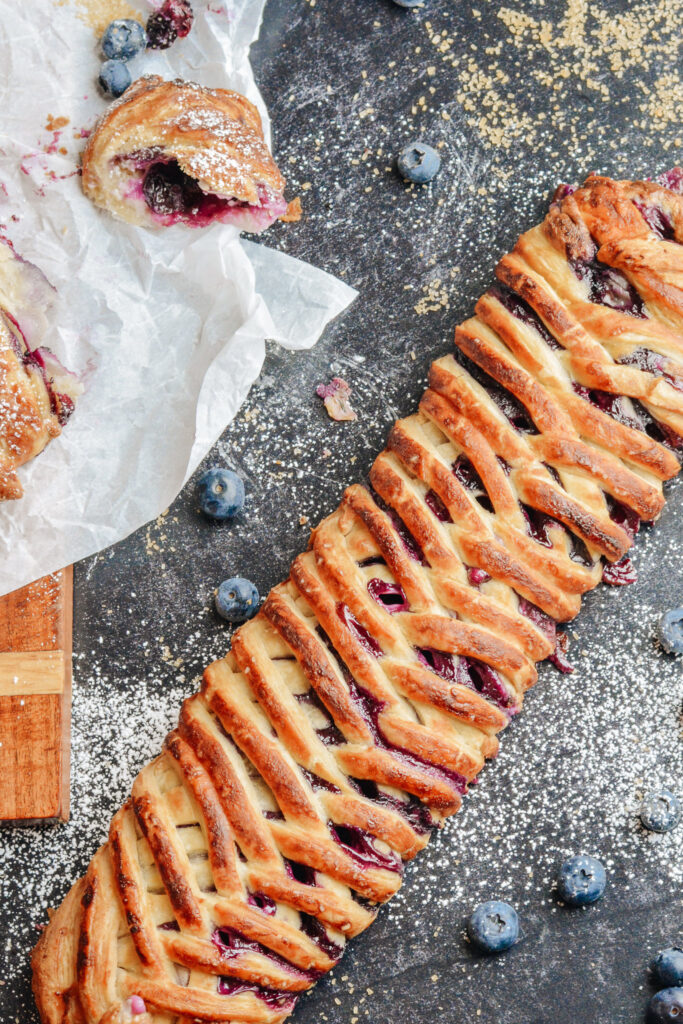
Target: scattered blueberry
409 3
115 77
493 926
665 1006
237 600
671 631
667 966
418 163
172 21
581 880
660 811
123 39
220 493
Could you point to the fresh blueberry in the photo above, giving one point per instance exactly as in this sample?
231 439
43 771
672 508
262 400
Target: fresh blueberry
409 3
667 966
493 926
581 880
671 631
665 1006
220 493
123 39
418 163
660 811
237 600
115 77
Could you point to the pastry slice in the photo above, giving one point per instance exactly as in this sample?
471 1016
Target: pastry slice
177 153
37 395
354 710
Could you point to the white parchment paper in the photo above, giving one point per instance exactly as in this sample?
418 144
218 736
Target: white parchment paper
168 327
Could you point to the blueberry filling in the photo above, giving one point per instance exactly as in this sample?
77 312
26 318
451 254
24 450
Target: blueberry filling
317 931
390 595
408 542
623 516
167 190
657 220
328 734
521 310
435 504
652 362
318 783
475 577
538 524
170 926
672 179
231 943
469 672
275 998
300 872
365 639
361 847
511 408
548 627
619 407
466 474
262 903
415 812
609 287
619 574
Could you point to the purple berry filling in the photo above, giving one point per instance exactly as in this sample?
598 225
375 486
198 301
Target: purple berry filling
475 577
275 998
365 639
619 574
262 903
672 179
317 931
318 783
300 872
522 311
609 287
547 625
657 220
329 734
390 595
415 812
612 405
511 408
469 672
652 362
360 846
466 474
231 943
435 504
410 545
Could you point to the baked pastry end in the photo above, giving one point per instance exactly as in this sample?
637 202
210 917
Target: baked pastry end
177 153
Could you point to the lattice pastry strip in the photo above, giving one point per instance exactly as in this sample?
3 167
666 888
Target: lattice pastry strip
356 707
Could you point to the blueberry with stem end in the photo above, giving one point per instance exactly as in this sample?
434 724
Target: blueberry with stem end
418 163
660 811
123 39
114 77
670 631
493 926
581 880
220 493
237 600
667 967
665 1006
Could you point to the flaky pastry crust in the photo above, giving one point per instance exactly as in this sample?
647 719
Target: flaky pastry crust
354 710
171 152
36 394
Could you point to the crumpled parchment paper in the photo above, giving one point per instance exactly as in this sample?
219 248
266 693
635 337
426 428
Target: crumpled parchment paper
167 328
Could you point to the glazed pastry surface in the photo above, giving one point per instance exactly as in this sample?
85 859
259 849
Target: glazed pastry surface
174 152
354 710
37 394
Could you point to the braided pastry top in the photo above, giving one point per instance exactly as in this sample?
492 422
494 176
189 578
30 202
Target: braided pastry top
353 711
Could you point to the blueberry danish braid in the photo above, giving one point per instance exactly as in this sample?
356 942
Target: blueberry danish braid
37 394
354 710
177 153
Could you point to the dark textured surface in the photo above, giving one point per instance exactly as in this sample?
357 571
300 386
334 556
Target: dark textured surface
572 766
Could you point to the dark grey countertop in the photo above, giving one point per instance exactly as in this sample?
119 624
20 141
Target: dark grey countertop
518 107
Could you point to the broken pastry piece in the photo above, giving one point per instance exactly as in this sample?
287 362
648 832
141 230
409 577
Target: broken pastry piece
177 153
37 394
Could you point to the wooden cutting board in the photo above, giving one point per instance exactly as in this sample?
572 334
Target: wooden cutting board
35 700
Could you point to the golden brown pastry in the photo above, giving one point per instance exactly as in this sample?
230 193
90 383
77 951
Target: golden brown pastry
356 707
177 153
37 394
